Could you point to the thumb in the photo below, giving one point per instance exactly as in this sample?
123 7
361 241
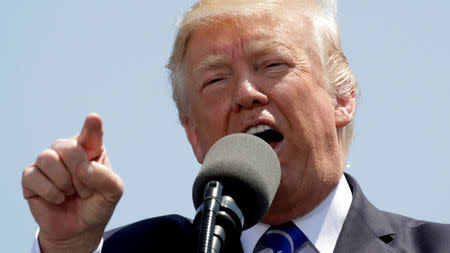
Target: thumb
91 136
101 179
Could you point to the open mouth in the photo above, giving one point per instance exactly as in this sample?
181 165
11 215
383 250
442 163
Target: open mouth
268 134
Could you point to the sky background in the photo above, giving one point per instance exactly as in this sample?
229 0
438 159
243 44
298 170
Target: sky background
60 60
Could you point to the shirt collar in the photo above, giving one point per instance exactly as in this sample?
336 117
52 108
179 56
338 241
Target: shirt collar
322 225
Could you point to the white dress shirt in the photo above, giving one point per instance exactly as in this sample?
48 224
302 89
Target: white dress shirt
321 226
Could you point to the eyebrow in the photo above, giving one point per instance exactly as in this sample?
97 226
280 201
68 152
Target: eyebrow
265 47
255 49
211 62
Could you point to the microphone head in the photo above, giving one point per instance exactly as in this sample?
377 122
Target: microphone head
249 171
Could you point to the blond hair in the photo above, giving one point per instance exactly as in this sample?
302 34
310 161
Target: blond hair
340 79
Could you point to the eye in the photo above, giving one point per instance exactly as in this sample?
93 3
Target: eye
274 64
214 80
275 69
277 66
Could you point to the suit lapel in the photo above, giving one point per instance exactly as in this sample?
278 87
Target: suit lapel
365 228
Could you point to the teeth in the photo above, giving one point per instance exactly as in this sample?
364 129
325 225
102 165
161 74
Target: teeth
258 129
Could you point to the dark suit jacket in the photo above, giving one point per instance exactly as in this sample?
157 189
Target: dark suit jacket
366 229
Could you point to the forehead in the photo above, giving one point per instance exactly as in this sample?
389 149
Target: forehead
251 34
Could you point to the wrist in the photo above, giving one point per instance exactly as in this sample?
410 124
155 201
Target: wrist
85 243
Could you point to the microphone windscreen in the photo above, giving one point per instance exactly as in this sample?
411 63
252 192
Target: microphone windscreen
249 171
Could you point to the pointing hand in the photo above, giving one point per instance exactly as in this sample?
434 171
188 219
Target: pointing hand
72 191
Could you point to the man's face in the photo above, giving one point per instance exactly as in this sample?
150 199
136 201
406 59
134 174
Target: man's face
265 78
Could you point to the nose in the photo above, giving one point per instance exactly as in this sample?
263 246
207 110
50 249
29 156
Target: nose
247 95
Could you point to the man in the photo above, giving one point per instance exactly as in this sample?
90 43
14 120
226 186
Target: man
270 68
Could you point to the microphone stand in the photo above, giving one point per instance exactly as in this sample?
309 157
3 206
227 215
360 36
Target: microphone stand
218 217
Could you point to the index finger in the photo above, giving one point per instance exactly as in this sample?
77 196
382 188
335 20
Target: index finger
91 136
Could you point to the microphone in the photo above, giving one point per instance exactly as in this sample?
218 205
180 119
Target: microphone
236 183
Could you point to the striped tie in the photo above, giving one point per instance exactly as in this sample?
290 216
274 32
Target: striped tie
284 238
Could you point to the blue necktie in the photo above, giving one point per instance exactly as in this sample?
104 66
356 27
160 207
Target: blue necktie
284 238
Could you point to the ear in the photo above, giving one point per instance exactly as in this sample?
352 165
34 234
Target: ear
344 111
192 134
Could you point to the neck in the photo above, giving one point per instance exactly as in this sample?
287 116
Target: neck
307 195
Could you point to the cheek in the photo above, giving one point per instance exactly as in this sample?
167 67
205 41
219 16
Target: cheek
306 107
210 117
293 97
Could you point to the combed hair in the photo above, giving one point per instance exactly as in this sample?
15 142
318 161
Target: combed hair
340 80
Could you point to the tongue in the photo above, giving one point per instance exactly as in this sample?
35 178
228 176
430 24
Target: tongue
273 144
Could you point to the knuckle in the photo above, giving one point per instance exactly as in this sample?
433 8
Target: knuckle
27 175
47 156
27 171
58 142
67 149
26 193
62 144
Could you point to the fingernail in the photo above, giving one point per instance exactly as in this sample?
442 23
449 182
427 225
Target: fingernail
60 199
85 193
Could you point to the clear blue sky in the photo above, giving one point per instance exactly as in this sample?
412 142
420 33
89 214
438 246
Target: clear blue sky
60 60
